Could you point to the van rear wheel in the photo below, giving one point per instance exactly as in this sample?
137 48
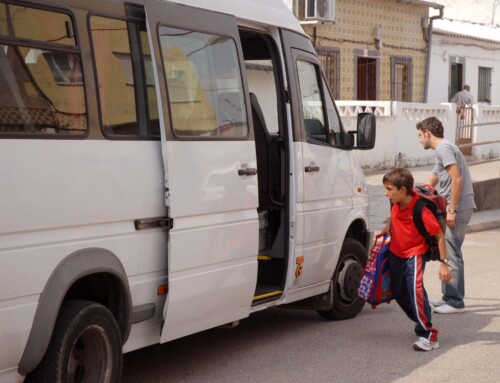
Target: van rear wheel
85 346
346 278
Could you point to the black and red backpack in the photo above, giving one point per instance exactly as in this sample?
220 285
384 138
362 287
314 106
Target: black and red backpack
436 203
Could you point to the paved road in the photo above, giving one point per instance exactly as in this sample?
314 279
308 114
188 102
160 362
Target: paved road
298 346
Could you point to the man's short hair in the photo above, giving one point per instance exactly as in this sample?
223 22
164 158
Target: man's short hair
433 125
399 177
467 88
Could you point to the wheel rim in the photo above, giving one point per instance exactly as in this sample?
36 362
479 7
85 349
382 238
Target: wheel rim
91 358
348 279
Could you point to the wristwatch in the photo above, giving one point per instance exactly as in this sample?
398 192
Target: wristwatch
452 211
446 261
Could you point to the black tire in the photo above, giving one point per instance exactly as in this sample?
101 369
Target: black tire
346 278
85 347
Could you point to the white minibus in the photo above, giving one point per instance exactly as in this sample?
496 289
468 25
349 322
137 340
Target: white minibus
166 167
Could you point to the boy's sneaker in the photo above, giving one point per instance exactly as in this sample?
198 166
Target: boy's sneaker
423 344
447 309
438 302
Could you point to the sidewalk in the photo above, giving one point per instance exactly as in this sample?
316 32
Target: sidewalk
481 220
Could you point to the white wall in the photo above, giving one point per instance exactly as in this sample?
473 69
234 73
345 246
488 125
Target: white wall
397 136
487 133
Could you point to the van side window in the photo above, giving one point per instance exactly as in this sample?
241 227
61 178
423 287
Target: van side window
41 81
334 124
204 85
127 92
312 102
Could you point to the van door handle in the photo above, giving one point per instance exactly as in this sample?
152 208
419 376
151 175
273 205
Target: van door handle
312 168
247 172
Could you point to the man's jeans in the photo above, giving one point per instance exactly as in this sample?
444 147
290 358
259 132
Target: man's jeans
454 290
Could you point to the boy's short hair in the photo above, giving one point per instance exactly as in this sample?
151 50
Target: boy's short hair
400 177
433 125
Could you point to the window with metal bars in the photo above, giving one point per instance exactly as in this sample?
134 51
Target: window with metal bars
367 69
329 59
401 79
484 86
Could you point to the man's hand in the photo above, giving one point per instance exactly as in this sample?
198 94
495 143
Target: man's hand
450 219
444 273
433 181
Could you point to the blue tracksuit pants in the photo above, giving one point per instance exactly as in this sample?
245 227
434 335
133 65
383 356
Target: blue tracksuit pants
407 285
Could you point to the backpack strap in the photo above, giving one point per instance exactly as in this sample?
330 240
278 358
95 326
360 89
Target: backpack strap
417 219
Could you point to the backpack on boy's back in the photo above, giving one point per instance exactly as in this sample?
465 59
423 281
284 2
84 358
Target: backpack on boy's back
436 203
375 286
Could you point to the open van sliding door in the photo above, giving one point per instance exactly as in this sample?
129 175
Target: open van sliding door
210 165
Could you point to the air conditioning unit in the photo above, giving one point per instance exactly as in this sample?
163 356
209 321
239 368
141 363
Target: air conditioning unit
320 9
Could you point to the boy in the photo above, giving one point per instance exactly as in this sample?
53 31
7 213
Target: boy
407 256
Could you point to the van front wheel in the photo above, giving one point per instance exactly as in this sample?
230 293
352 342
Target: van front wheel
85 346
346 278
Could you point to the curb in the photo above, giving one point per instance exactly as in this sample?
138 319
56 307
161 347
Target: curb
482 226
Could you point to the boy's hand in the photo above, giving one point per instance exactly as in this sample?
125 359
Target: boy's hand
444 273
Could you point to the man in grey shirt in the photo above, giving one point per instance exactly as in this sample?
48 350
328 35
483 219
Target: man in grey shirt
463 97
455 183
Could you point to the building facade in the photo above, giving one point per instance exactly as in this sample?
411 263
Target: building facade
374 49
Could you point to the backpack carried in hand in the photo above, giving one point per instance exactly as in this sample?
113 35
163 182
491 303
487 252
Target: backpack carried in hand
375 287
436 203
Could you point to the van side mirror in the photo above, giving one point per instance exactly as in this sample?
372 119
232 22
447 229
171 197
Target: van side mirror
366 131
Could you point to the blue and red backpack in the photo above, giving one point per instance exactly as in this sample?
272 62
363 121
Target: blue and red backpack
375 287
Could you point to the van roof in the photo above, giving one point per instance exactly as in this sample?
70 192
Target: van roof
267 12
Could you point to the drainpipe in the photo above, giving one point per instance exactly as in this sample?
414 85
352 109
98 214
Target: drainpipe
429 45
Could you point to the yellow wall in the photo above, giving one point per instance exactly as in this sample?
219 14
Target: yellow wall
401 32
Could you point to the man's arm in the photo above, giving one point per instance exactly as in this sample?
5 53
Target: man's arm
433 180
444 270
456 188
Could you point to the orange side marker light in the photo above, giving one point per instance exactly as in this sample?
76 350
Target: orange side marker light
162 289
